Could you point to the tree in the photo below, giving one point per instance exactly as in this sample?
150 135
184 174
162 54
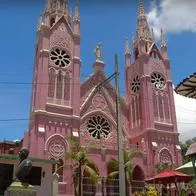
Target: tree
113 167
162 167
81 165
184 147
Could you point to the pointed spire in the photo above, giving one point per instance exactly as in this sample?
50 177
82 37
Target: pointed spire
141 11
163 40
127 53
127 47
142 24
76 19
70 13
77 15
132 38
54 5
55 9
163 45
152 34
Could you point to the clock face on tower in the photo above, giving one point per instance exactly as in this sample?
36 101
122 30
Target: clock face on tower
60 57
158 80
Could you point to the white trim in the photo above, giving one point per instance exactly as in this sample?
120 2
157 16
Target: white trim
163 123
75 133
88 97
178 147
55 114
154 144
44 50
60 106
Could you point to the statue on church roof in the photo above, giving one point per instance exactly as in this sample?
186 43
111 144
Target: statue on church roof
98 52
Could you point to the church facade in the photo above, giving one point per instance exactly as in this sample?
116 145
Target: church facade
62 106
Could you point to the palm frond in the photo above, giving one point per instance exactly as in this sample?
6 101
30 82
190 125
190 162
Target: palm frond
112 165
91 173
92 165
113 175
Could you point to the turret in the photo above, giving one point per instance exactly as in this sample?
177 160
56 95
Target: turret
127 53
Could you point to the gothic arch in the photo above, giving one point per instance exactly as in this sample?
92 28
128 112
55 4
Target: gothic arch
56 146
51 85
67 87
98 127
137 179
59 85
98 112
165 156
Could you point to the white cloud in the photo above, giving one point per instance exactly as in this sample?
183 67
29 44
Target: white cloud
173 16
186 116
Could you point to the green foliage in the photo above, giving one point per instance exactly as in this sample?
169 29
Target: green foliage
113 165
184 147
151 191
81 165
183 192
162 167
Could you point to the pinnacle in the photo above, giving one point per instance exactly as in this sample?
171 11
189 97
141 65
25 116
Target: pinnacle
140 8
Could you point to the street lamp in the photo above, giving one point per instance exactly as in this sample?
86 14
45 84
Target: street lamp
191 152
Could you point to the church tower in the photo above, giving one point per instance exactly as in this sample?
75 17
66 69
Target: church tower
149 94
55 105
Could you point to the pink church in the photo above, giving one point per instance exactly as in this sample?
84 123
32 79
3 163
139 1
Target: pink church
62 106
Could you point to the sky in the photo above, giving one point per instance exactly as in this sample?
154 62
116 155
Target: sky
109 22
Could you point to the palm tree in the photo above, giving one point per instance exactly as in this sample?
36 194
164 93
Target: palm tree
113 167
81 166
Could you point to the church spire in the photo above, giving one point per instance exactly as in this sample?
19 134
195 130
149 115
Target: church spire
163 45
163 40
56 5
127 52
55 9
142 24
77 15
76 19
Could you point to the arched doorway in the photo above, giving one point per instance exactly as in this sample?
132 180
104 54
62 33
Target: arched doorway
137 179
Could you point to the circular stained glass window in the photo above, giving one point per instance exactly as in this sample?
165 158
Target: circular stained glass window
135 86
165 156
98 127
158 80
60 57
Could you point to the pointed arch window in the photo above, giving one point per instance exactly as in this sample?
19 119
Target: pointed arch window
52 21
59 85
160 98
166 107
67 87
51 86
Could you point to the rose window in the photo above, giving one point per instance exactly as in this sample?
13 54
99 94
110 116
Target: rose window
60 57
158 80
57 150
98 127
135 86
56 147
165 156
